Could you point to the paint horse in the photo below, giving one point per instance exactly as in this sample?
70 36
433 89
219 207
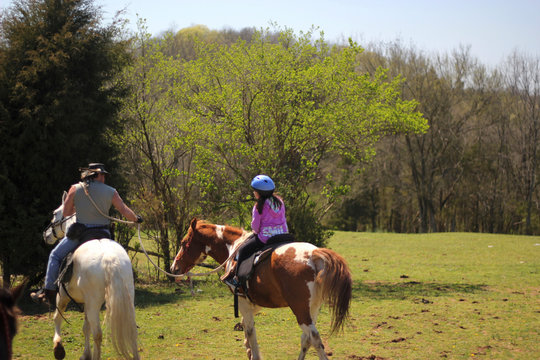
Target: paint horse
8 319
102 273
298 275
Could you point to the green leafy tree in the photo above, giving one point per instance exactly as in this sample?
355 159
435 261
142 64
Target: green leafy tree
57 66
283 108
152 139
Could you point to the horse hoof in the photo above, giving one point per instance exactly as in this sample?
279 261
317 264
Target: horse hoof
59 352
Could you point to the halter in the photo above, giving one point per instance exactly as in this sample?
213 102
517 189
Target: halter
53 226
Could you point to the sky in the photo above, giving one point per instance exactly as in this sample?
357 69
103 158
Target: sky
493 29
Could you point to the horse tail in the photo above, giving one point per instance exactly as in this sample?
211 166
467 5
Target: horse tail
336 281
120 313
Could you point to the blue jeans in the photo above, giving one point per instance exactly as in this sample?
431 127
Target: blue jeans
64 247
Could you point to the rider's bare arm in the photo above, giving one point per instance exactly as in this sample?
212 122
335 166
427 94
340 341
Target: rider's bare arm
69 203
119 204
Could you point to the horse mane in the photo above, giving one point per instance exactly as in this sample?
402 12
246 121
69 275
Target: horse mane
243 233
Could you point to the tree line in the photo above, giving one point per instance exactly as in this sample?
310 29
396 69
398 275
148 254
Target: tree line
380 137
475 168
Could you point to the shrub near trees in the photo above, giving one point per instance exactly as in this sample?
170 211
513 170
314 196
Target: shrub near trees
285 109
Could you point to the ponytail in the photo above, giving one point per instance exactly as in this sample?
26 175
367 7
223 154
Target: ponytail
275 202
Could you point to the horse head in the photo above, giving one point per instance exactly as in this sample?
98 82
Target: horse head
202 240
57 228
192 251
8 318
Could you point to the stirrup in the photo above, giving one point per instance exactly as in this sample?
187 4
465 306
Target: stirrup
232 281
228 274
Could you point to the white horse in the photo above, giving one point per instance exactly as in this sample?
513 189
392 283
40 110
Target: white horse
101 273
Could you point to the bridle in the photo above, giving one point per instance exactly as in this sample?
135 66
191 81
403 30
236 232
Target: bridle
58 234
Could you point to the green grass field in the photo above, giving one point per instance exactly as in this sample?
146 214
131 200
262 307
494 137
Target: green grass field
433 296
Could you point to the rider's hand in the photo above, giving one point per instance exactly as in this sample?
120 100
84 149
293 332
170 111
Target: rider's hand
139 219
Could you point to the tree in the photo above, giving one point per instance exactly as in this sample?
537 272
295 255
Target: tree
423 182
523 83
156 157
58 100
283 109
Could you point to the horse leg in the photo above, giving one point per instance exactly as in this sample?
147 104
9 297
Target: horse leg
306 316
91 310
311 336
87 353
304 345
250 336
61 305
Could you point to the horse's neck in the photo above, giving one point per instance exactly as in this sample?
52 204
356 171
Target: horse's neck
6 334
68 222
228 242
236 243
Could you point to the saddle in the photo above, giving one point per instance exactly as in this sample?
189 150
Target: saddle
247 267
82 234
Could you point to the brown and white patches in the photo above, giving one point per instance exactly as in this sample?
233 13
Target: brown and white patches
302 252
219 231
298 257
237 240
298 275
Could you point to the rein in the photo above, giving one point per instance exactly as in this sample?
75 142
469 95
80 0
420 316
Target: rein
85 188
188 274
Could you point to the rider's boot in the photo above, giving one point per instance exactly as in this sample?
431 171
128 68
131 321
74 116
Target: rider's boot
230 278
44 296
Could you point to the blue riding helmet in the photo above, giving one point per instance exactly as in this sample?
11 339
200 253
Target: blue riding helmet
262 183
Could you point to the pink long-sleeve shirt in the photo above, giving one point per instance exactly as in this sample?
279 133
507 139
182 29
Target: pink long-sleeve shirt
271 222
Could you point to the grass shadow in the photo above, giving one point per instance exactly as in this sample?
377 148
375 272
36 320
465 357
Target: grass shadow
166 293
411 289
28 307
145 297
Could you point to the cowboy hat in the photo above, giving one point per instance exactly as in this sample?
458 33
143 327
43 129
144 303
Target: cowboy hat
93 169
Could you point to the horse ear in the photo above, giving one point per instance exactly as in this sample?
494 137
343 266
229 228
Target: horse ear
17 291
193 224
64 196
